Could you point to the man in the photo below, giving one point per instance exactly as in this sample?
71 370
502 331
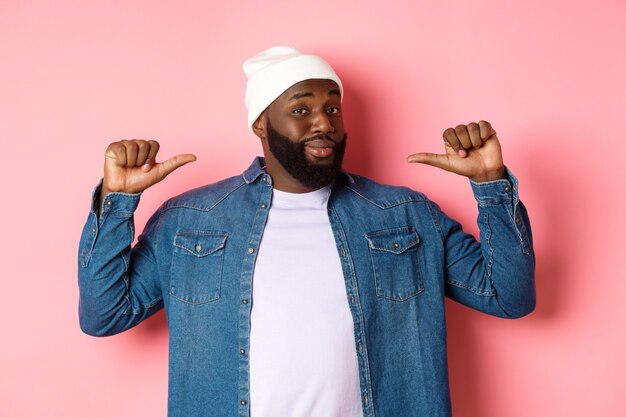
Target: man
297 289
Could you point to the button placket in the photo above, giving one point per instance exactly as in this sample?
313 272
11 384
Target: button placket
261 208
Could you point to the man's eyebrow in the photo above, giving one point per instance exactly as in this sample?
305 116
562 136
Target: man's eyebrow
296 96
300 95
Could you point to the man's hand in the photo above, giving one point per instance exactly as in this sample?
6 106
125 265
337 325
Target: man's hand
130 166
472 150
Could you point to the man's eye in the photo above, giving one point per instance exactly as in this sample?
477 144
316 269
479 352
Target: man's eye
299 111
332 110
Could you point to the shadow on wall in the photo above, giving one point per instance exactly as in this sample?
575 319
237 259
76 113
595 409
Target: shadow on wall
555 204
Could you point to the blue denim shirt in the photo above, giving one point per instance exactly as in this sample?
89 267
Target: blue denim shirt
399 253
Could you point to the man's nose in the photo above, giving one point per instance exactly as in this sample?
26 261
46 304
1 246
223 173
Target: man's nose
321 123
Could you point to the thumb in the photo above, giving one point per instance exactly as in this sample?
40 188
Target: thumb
168 166
432 159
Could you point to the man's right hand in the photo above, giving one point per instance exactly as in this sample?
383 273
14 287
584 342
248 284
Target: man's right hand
130 166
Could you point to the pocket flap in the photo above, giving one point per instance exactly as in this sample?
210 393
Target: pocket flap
395 241
200 242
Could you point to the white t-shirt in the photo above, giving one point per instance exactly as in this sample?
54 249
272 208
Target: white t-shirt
302 350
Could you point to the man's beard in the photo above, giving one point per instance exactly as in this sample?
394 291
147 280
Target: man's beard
292 157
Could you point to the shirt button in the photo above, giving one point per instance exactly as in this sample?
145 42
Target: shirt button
198 248
244 301
242 351
263 206
507 188
517 219
395 245
109 202
242 402
250 250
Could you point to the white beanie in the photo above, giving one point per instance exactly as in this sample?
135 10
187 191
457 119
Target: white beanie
273 71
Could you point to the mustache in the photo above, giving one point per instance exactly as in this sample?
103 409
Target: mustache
323 136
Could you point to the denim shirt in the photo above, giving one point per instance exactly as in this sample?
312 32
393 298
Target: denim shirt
400 256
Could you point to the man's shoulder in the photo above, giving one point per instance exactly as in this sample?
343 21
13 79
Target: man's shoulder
207 196
381 195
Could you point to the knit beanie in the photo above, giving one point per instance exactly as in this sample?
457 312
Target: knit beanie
273 71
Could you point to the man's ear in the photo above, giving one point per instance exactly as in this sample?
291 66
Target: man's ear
258 127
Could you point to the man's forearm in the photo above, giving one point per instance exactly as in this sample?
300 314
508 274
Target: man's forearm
496 274
106 274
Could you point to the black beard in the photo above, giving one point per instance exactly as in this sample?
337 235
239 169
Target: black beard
292 157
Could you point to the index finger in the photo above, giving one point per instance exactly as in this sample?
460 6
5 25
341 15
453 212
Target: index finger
486 131
150 160
450 137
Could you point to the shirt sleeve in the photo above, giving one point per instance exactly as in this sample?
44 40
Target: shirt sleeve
495 275
118 284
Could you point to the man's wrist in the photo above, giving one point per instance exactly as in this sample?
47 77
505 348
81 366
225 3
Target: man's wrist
499 174
104 199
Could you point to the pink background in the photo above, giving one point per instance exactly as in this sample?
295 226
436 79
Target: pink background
549 75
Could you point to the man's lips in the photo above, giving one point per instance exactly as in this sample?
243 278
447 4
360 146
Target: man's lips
320 148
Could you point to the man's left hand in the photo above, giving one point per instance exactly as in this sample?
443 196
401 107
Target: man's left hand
472 150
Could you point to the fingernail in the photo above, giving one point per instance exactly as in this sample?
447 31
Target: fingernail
146 167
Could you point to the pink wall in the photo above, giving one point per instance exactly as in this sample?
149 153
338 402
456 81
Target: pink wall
549 75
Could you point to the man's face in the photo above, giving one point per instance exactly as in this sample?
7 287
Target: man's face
304 136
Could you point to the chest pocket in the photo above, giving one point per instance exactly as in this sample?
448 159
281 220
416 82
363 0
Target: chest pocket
395 263
197 261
